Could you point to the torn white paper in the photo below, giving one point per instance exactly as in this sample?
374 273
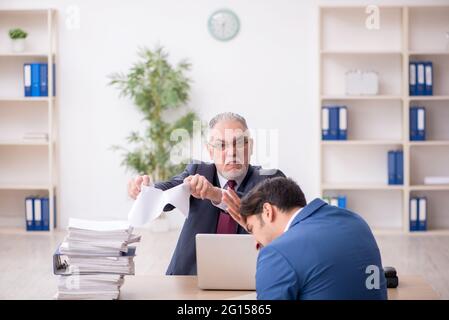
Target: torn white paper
151 201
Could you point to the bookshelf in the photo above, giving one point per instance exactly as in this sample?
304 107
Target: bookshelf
357 167
27 167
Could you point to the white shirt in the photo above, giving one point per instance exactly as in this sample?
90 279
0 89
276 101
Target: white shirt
223 181
291 220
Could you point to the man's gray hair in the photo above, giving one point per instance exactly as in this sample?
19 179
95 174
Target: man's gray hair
227 116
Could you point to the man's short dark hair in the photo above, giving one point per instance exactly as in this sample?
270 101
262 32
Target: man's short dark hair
284 193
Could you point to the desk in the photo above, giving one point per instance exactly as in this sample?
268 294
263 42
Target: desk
185 288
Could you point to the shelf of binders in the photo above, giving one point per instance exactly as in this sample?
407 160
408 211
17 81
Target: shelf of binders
366 187
360 97
25 99
24 54
23 143
362 142
25 187
28 121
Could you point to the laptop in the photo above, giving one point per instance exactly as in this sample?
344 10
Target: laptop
226 261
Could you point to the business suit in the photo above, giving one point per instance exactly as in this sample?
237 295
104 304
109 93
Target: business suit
203 215
323 255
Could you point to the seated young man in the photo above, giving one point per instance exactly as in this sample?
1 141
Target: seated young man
310 251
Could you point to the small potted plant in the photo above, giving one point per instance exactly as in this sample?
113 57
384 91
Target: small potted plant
18 37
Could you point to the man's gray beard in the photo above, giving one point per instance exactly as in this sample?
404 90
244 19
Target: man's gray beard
235 174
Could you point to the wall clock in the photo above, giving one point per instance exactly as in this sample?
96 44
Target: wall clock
223 24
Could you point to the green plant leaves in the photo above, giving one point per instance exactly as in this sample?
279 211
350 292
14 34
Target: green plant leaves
155 87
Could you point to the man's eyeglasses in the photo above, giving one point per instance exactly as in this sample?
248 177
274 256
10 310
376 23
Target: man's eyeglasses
238 143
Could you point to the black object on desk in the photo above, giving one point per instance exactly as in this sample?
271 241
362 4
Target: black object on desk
391 277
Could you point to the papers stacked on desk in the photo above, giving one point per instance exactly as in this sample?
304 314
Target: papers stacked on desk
93 259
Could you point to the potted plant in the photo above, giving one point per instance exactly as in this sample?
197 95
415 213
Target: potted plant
18 37
159 90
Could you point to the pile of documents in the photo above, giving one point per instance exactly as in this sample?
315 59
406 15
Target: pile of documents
94 258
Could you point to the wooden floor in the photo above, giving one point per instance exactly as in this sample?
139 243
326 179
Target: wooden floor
26 259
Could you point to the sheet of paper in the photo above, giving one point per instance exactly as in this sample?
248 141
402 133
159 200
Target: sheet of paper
98 225
151 201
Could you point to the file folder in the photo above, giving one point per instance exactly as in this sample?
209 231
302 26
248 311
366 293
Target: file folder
420 79
43 79
334 122
343 123
29 215
422 214
27 79
399 157
392 178
341 202
413 123
37 214
35 79
428 91
45 214
412 78
325 121
421 124
413 214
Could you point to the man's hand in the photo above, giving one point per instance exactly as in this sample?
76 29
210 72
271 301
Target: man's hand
134 185
232 200
201 188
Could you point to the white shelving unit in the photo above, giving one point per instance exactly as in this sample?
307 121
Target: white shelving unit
357 167
26 167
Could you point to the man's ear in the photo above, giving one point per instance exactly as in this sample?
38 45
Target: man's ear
251 146
268 212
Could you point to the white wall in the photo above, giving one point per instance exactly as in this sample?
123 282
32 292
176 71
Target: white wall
268 74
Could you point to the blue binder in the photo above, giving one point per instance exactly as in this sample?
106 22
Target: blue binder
45 214
399 157
325 123
420 124
342 202
420 78
428 67
343 123
27 79
35 79
412 78
334 122
422 214
413 123
43 79
413 214
29 213
392 178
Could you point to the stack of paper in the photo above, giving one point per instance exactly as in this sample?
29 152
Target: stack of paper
93 259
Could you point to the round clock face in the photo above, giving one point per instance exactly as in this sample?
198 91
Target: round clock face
224 25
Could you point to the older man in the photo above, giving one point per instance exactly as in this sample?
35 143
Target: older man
230 147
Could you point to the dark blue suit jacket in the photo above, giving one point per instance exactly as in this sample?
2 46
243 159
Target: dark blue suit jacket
323 255
203 215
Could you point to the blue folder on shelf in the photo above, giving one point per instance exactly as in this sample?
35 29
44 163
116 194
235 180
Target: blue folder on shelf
325 123
413 214
428 70
334 122
422 214
399 158
392 168
417 123
412 78
342 202
343 123
420 78
35 79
